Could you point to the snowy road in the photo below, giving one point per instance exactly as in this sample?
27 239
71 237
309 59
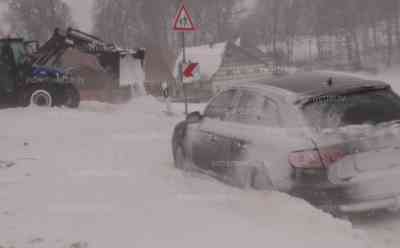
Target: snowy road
382 227
102 176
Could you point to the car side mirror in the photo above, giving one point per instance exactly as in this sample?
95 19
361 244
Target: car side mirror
194 117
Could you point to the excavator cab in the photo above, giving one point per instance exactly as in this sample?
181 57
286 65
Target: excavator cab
22 83
12 58
14 67
31 48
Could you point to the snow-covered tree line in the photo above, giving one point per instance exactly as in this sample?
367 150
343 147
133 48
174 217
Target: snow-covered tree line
361 28
144 22
36 19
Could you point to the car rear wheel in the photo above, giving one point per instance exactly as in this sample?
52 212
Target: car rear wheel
179 158
41 98
242 177
261 180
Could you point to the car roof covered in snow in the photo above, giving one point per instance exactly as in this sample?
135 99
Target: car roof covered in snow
301 86
318 83
315 83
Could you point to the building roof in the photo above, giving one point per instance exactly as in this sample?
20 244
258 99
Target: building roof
158 65
75 58
212 57
259 54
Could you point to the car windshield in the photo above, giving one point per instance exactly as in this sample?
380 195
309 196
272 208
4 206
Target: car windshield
335 111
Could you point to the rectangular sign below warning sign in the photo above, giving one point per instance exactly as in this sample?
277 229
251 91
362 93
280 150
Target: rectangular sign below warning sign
191 72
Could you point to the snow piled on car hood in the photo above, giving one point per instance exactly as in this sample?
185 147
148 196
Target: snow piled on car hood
103 176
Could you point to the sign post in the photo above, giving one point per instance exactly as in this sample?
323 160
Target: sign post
165 94
183 23
182 76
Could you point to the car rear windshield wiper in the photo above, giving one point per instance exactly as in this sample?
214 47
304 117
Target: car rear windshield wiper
345 92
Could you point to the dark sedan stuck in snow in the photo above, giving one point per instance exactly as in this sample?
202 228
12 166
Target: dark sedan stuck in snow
330 139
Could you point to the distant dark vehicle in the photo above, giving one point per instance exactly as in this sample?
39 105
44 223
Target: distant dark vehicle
23 82
330 139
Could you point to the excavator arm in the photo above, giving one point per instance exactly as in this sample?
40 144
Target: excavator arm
51 51
124 66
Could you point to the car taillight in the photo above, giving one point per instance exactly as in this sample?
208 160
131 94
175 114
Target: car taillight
315 159
308 159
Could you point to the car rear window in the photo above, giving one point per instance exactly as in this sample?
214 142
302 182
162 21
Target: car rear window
370 107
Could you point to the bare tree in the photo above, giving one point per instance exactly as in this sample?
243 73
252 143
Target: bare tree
37 19
356 29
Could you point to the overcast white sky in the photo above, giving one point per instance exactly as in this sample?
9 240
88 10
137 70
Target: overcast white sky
81 11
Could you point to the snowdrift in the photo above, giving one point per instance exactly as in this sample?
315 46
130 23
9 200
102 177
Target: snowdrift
103 176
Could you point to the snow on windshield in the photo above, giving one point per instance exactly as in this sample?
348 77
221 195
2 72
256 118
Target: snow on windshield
355 109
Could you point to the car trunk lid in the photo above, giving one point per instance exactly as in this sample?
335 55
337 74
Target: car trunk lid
367 148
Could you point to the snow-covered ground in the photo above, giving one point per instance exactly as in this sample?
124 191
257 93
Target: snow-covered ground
103 176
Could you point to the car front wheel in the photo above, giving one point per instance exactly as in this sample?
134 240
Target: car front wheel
180 159
182 162
261 179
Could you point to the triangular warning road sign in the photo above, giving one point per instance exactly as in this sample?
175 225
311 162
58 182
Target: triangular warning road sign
183 21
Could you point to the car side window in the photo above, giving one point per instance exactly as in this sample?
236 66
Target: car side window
247 108
255 109
220 107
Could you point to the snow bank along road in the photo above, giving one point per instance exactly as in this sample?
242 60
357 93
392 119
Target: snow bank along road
102 176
